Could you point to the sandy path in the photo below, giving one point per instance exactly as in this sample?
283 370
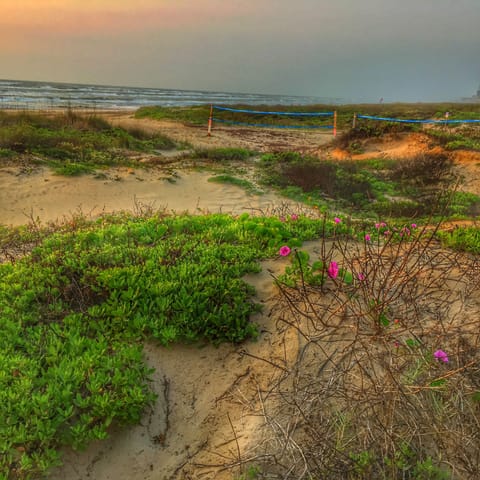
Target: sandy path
258 139
49 197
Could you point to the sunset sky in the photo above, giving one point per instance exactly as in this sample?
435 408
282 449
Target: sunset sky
411 50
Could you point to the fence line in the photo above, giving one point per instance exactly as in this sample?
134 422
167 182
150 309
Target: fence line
270 125
212 119
287 114
401 120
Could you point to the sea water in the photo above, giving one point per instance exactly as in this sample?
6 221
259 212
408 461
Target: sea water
28 95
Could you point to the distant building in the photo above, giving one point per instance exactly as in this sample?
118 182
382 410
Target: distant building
473 98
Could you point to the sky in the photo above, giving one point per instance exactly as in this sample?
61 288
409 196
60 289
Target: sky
355 50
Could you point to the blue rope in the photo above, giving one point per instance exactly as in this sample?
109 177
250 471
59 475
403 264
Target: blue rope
399 120
230 122
287 114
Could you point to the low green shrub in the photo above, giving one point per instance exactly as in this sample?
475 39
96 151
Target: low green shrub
466 239
75 311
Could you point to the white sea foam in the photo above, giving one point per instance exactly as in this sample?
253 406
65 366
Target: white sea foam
23 94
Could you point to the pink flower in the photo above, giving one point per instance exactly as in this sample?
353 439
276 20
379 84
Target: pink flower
337 220
413 225
282 219
361 277
440 355
284 251
386 233
396 343
367 237
377 226
333 270
294 217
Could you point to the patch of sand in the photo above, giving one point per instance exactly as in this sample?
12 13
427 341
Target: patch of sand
49 197
258 139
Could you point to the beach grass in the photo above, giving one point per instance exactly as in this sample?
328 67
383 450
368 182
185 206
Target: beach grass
72 144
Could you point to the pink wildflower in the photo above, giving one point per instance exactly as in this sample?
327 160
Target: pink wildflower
361 276
413 225
377 226
440 355
282 219
284 251
333 270
396 343
294 217
337 220
367 237
386 233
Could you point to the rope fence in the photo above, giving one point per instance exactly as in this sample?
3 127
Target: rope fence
401 120
317 115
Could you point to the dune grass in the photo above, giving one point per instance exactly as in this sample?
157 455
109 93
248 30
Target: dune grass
72 144
421 186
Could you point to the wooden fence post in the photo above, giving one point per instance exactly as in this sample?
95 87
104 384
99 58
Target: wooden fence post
210 121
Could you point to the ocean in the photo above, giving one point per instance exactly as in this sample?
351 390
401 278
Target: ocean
17 94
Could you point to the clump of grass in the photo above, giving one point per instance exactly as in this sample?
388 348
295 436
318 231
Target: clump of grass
70 138
71 169
238 182
347 182
395 188
465 239
456 138
352 139
196 115
424 169
223 154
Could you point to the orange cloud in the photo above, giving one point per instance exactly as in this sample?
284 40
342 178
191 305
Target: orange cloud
83 17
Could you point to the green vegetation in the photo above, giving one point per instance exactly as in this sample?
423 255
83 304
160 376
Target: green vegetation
72 144
222 154
76 309
239 182
466 239
198 115
455 138
415 187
